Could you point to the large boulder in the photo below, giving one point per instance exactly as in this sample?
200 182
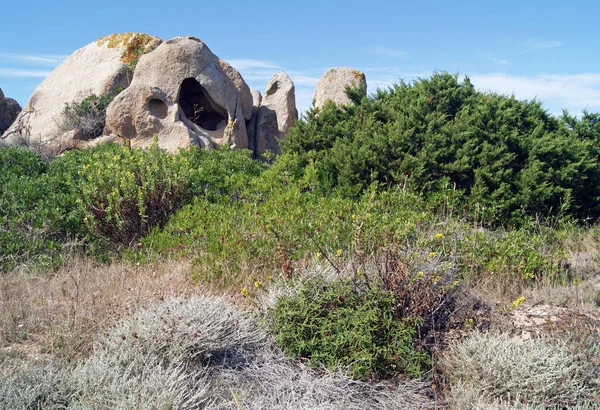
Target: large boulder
100 68
332 85
9 110
184 95
277 114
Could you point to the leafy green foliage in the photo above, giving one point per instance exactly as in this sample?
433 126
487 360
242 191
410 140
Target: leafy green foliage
509 159
87 115
124 193
36 211
108 193
337 326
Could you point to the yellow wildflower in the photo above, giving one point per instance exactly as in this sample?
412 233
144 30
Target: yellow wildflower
439 236
517 303
431 254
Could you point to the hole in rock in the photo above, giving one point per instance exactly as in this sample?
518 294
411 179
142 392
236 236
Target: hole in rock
158 108
273 89
199 107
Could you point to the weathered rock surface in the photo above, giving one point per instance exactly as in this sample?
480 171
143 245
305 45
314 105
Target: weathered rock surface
332 85
532 321
101 67
277 114
185 95
9 110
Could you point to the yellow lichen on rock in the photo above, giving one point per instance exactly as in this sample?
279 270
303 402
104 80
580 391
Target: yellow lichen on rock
135 44
359 76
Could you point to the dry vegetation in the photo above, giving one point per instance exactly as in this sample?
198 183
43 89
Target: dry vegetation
60 313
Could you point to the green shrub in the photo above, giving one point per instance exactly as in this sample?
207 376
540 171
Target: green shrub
337 326
88 115
124 193
37 211
509 159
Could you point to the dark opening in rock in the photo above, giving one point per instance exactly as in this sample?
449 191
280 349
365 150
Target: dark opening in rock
158 108
199 107
273 89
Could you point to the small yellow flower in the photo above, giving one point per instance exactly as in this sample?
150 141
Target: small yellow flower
256 284
436 279
244 291
431 254
439 236
517 303
318 255
353 216
338 253
421 274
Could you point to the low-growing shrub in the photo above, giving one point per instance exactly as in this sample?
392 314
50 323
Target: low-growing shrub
124 193
337 326
495 370
37 211
88 115
197 353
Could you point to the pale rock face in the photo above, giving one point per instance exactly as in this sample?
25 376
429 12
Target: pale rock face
9 110
199 99
332 85
143 112
101 67
277 114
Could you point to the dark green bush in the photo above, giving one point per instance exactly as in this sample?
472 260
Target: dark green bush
336 325
509 159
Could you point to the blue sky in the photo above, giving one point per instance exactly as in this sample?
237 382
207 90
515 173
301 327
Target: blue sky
546 50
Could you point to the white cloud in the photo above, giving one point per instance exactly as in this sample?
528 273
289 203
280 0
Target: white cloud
390 53
250 64
302 80
385 77
35 59
23 73
574 92
500 61
538 45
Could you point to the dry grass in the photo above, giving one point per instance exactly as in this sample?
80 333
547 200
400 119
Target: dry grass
197 353
60 313
501 371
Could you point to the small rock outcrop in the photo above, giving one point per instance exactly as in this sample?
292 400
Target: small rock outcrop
99 68
9 110
277 114
185 95
332 85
